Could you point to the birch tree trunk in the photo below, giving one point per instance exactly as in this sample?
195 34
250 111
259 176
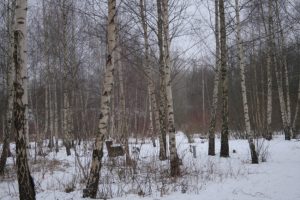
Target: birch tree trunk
122 110
283 110
153 109
25 181
174 160
51 115
46 128
297 110
283 62
269 74
241 59
10 88
66 86
56 118
212 126
281 101
121 88
269 96
224 82
162 91
93 179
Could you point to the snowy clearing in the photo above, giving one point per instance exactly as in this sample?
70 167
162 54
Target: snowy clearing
57 176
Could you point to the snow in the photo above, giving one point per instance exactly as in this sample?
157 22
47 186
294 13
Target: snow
204 177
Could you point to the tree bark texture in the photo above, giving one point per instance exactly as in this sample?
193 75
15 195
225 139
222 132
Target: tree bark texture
241 59
93 179
162 91
212 126
25 181
224 83
174 160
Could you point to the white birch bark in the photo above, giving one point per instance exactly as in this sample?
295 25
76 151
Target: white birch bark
162 91
211 145
93 179
51 115
241 59
174 160
56 118
283 62
66 86
122 108
153 108
25 181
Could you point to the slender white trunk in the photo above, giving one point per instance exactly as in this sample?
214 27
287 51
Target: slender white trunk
241 59
283 63
51 115
25 181
174 160
93 179
66 85
119 66
55 118
211 145
153 109
162 91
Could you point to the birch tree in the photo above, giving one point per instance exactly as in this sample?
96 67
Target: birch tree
93 179
162 91
224 82
174 160
10 88
241 60
283 63
153 108
269 75
67 123
25 181
212 126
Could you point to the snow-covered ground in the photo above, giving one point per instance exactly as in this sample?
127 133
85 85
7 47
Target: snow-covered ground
57 176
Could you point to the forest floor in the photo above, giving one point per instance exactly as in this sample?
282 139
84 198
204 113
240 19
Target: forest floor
57 176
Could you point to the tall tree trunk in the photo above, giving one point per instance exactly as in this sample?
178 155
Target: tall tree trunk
122 110
119 66
174 160
93 179
296 116
151 87
56 118
212 126
51 117
162 91
66 87
283 110
10 88
111 131
241 59
25 181
269 74
283 63
224 80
